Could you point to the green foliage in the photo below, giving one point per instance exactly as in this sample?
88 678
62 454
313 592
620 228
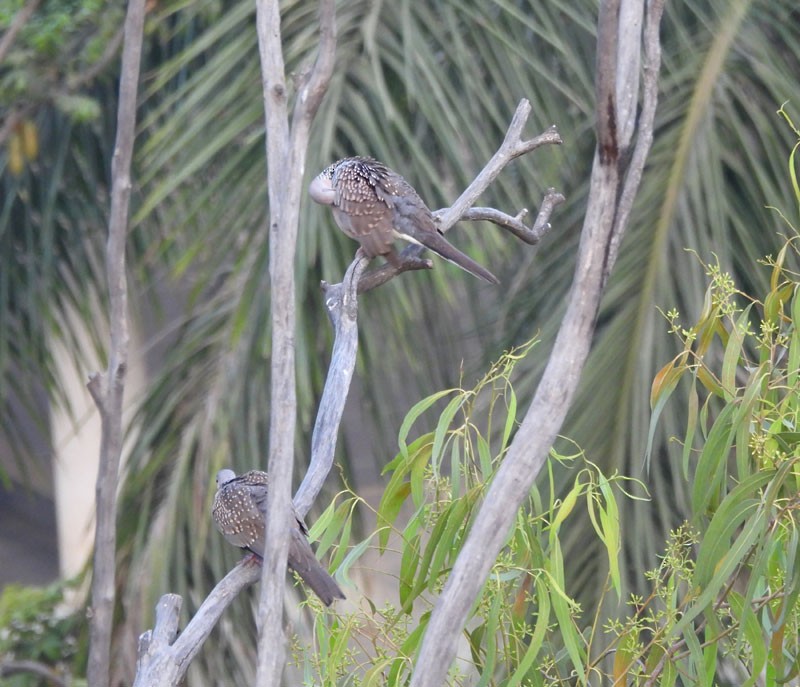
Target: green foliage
738 596
725 597
524 627
37 625
58 50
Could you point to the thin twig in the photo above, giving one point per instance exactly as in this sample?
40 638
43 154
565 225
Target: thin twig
530 235
409 261
513 146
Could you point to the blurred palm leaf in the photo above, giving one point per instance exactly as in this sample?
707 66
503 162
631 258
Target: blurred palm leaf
52 220
718 159
430 90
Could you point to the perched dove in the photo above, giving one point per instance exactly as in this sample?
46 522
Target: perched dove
240 510
375 206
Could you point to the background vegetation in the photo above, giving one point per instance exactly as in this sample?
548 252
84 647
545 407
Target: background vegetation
429 91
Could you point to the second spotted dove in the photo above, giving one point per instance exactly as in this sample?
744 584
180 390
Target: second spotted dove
239 512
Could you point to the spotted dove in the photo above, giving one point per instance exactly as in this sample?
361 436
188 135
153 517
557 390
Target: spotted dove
239 511
375 206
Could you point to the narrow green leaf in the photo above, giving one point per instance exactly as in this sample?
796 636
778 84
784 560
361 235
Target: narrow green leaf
733 353
485 457
388 510
710 651
664 385
343 543
610 533
537 637
726 565
413 415
750 630
625 656
696 657
562 607
511 419
456 470
732 512
442 427
407 651
374 677
668 672
424 573
343 570
691 427
793 363
409 563
708 478
449 545
566 507
327 527
742 420
492 626
404 459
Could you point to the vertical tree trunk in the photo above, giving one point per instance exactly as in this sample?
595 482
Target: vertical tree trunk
107 389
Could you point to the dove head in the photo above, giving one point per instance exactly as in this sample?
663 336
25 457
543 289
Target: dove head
321 188
224 476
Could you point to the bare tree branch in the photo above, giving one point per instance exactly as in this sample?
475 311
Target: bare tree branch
9 668
313 88
513 146
530 235
283 401
606 216
107 389
606 82
164 656
410 260
286 152
650 68
341 300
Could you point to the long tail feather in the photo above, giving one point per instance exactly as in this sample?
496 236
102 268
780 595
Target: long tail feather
442 247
